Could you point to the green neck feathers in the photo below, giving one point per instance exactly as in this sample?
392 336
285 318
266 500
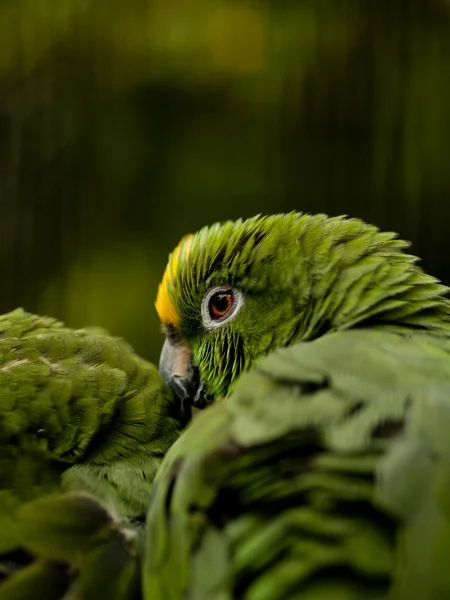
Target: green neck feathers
356 275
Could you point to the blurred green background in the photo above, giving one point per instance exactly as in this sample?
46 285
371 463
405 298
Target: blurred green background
126 124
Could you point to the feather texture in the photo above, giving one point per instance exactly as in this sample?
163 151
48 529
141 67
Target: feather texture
79 412
301 276
325 474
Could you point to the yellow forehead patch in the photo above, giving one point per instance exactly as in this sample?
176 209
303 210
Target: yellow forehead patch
164 306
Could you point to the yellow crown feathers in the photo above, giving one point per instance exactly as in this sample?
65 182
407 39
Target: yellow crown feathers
164 306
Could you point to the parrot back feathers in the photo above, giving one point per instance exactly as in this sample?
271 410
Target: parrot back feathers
316 478
82 552
80 413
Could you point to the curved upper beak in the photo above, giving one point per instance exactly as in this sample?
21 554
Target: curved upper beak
176 368
175 360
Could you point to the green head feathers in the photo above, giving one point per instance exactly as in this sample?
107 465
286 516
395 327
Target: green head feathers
234 291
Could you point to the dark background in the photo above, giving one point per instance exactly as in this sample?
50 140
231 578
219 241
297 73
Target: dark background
126 124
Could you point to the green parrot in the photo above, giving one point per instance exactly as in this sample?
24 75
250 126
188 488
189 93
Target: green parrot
84 425
322 469
234 292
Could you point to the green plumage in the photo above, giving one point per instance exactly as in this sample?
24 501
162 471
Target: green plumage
302 276
321 472
79 411
325 475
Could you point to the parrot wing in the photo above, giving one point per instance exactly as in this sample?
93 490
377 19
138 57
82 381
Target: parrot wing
80 411
70 547
325 475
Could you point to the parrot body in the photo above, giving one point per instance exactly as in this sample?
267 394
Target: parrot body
324 476
84 424
321 471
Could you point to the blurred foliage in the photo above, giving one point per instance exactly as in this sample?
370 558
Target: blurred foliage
125 125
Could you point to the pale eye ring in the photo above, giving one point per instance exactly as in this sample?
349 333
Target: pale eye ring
220 305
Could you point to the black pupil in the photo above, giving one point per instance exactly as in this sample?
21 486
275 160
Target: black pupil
221 302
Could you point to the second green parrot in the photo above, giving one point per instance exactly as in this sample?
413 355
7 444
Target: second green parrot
84 425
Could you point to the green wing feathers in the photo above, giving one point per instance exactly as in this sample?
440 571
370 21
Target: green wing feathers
325 475
62 387
79 411
79 551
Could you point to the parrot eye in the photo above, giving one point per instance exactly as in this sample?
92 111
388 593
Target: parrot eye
219 305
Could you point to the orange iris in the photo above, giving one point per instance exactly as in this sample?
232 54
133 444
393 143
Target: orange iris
220 304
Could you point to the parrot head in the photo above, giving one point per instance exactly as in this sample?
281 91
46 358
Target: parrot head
235 291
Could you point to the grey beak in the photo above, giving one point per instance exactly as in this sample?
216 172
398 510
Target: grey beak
176 368
175 359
